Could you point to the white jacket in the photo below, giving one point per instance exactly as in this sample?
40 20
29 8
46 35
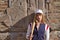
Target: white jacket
46 32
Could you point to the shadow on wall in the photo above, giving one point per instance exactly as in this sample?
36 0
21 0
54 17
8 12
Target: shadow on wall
22 24
18 30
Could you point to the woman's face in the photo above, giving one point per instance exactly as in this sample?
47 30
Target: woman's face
39 17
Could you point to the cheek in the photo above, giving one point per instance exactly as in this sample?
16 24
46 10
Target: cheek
40 17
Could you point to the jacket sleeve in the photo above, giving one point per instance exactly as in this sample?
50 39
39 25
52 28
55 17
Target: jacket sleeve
47 32
28 31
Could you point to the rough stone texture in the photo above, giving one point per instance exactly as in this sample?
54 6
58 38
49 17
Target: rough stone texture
15 15
55 14
55 35
54 17
3 5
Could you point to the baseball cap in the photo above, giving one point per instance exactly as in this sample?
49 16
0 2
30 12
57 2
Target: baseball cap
39 11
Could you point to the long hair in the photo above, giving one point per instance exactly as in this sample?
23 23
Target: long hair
43 18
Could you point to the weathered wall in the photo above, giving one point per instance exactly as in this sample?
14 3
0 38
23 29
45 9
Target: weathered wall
15 15
54 18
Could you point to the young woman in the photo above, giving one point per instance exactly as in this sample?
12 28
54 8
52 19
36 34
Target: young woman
40 29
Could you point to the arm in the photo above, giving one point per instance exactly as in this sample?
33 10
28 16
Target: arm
47 32
28 31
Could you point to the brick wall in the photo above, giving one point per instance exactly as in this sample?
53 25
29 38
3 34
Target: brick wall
15 18
3 5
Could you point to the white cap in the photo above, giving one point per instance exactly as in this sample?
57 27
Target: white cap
39 11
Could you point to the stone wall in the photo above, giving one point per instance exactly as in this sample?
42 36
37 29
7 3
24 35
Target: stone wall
15 15
54 19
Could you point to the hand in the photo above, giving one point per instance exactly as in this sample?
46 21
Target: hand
31 37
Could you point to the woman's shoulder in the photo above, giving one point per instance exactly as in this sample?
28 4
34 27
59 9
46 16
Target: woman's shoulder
47 26
30 24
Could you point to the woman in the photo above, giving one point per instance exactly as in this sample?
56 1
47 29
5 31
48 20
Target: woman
40 29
